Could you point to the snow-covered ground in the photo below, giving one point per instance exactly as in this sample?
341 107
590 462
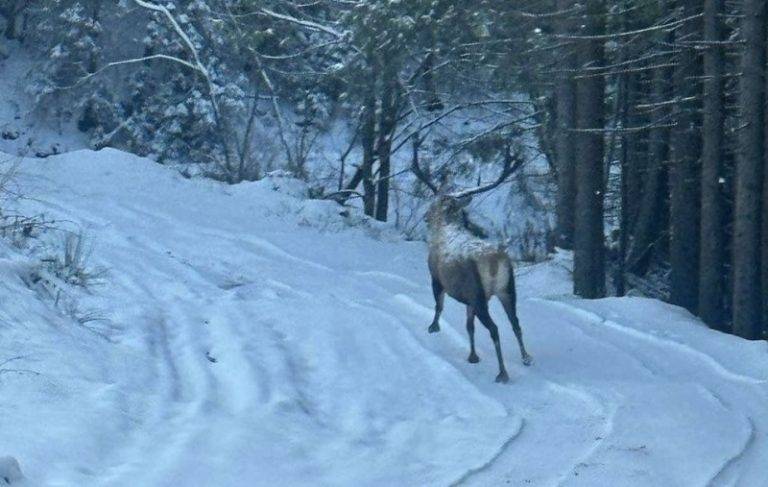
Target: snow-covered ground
247 337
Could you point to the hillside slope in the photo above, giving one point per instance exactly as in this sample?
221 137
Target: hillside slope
250 337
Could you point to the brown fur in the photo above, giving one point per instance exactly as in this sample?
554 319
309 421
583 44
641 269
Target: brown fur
472 273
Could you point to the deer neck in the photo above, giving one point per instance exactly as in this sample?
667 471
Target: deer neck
444 235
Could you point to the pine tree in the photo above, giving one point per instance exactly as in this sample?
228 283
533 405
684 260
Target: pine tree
747 297
589 256
685 167
712 259
71 37
565 145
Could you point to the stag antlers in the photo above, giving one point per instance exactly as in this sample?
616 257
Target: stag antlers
512 162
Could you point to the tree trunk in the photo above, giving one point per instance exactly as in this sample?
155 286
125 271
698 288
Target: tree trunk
637 142
630 169
764 236
565 153
368 140
10 26
433 98
747 299
712 255
685 180
764 253
589 259
388 119
764 279
13 13
652 206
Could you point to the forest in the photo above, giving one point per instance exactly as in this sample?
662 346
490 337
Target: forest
650 114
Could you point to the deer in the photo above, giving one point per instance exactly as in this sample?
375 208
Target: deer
467 268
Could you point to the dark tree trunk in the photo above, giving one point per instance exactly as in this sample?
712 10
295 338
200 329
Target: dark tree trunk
764 253
589 255
383 147
89 119
633 153
637 143
390 102
565 153
13 12
619 281
368 140
764 236
685 180
10 26
433 98
630 169
747 299
93 61
712 256
649 224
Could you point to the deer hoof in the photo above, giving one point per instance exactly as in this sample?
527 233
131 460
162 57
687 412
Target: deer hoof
502 378
473 358
527 360
433 328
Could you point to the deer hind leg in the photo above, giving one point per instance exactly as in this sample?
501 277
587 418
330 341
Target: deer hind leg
439 293
508 301
481 309
473 358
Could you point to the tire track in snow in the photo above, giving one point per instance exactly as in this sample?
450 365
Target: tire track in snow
728 473
455 336
609 345
225 332
298 380
389 276
214 388
222 332
230 365
191 341
579 394
255 243
160 348
439 358
196 384
607 429
469 473
482 468
716 366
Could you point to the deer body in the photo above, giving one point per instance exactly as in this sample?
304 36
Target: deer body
471 271
463 263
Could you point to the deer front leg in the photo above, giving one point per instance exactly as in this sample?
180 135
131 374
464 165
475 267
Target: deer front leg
473 358
439 293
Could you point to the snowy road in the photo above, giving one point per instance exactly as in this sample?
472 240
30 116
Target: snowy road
256 340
